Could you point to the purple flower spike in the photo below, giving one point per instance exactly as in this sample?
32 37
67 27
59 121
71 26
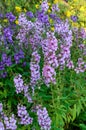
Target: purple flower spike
44 119
74 18
2 126
10 17
30 14
8 34
1 107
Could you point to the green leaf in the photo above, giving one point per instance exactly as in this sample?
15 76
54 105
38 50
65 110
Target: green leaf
82 126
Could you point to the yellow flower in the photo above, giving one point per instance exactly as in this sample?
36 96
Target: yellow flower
49 11
49 4
5 20
52 28
75 24
75 0
18 9
16 22
82 24
37 6
25 10
56 1
68 13
82 8
51 21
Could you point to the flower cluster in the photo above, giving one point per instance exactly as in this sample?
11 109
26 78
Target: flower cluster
26 26
8 34
1 126
25 119
10 17
66 42
10 123
81 66
19 84
35 68
6 60
44 119
18 56
20 87
49 47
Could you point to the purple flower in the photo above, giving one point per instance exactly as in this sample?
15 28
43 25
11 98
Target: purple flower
42 17
81 66
18 56
10 17
55 8
55 17
82 33
49 74
3 74
6 60
43 119
8 33
30 14
1 126
25 119
44 5
27 94
74 18
19 84
2 65
10 123
70 64
35 68
1 107
1 15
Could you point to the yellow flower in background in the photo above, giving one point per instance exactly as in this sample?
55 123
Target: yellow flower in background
49 4
25 10
82 8
16 22
82 24
56 1
75 24
49 11
51 21
52 28
75 0
18 9
5 20
68 13
37 6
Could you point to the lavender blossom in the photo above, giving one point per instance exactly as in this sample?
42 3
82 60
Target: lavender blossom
55 8
35 68
49 75
25 119
81 66
30 14
1 107
27 94
44 119
18 56
10 123
19 84
74 18
2 65
3 74
10 17
44 5
7 60
1 126
8 34
26 26
43 17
